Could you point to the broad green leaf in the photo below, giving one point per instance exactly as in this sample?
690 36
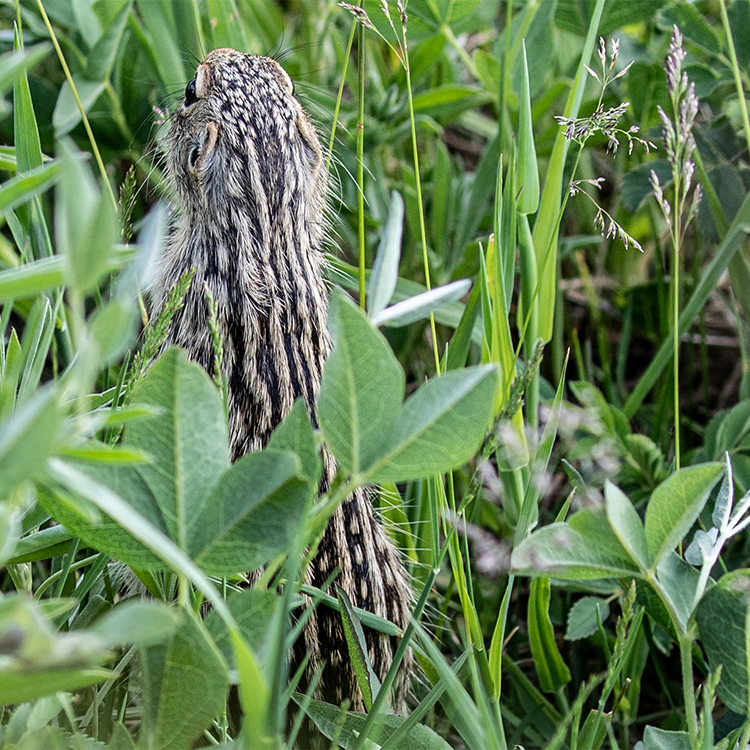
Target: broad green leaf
732 429
534 25
575 15
362 388
101 59
440 427
584 617
188 440
140 622
252 514
583 548
295 434
627 525
328 720
43 711
723 617
347 277
87 225
87 21
420 306
551 669
185 685
654 606
113 328
120 738
385 270
679 581
692 25
675 505
228 519
661 739
67 115
252 610
27 439
189 446
93 80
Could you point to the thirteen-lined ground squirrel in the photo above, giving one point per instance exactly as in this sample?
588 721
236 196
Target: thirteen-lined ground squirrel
252 187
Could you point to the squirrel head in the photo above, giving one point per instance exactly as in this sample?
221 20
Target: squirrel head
241 142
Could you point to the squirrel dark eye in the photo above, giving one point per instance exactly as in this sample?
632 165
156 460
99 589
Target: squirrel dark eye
190 97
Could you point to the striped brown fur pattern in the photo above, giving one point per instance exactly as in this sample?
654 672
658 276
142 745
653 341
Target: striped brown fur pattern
252 188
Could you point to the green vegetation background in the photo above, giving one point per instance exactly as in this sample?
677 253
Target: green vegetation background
579 564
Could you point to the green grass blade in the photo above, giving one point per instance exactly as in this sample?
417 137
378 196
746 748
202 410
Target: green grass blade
32 278
26 132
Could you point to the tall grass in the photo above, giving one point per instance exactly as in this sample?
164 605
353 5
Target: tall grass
563 534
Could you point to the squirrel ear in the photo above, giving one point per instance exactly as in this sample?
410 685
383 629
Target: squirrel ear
204 147
201 81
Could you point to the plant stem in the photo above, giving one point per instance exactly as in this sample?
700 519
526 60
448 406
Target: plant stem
735 70
340 95
686 660
85 119
745 737
360 159
676 352
418 183
530 284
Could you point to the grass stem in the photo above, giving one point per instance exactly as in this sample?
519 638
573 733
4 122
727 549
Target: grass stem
360 160
86 124
420 204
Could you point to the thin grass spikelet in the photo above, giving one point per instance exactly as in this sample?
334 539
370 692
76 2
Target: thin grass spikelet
126 204
216 337
360 15
156 333
607 122
679 145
